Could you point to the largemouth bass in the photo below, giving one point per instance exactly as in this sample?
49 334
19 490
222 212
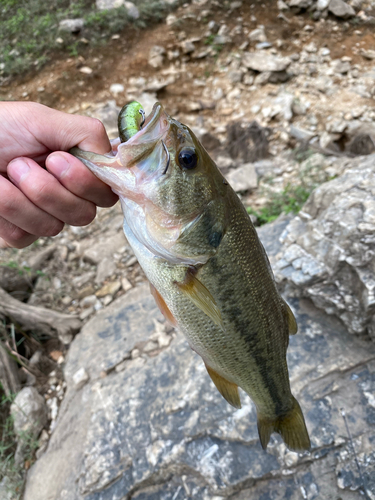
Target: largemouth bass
208 271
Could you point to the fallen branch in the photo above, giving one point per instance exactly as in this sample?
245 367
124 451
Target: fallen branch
39 319
8 372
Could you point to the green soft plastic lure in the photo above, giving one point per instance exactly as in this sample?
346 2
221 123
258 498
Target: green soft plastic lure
130 120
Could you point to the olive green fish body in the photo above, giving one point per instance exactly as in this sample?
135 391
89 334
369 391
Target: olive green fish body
250 348
209 273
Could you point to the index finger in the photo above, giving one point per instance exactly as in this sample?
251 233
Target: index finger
78 179
60 131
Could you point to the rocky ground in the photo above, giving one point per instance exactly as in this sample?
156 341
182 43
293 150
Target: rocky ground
282 96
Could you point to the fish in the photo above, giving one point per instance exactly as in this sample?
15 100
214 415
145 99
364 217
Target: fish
208 271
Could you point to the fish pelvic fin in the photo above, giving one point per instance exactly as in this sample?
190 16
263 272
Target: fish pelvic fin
194 289
227 389
291 427
164 309
291 320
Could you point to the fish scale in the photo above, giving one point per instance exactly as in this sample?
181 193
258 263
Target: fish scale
208 271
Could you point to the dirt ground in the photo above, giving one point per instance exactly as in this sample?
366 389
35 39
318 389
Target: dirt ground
65 87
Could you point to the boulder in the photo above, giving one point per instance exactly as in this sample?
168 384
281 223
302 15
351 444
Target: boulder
339 8
151 425
71 25
29 413
329 248
243 178
259 61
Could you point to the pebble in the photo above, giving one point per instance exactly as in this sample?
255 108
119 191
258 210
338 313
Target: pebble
110 288
125 284
80 378
85 70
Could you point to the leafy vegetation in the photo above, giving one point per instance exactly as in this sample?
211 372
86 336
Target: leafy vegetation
291 199
293 196
30 32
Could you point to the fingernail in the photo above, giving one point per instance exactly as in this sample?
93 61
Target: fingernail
17 169
58 165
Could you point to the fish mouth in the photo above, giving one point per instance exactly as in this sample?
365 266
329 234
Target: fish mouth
142 159
146 154
154 127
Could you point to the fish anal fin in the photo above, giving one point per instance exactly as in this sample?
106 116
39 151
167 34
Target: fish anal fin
194 289
227 389
292 323
291 427
164 309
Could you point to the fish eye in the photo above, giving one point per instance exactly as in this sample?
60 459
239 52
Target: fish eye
188 158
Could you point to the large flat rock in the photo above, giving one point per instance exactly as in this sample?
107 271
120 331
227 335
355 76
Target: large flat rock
155 427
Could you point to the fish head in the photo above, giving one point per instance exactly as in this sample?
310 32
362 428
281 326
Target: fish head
170 189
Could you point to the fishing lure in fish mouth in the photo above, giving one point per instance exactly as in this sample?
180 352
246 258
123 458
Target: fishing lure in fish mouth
130 120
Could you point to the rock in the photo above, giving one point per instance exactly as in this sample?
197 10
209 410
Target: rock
86 313
300 133
170 20
243 178
187 47
282 6
322 4
131 10
258 35
336 126
213 26
109 289
107 113
328 141
362 144
367 54
158 426
105 247
72 25
29 413
328 252
156 56
80 378
235 76
300 4
259 61
247 142
109 4
88 301
116 88
86 70
125 284
339 8
106 268
341 67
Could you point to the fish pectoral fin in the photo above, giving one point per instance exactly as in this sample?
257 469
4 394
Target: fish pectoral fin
291 427
202 298
164 309
227 389
292 323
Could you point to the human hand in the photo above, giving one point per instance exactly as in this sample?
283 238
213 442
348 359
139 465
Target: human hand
37 201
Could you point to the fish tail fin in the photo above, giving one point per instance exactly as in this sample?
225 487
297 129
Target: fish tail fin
291 427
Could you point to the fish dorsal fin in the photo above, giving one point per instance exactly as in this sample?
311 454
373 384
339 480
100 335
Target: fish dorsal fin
194 289
227 389
292 323
164 309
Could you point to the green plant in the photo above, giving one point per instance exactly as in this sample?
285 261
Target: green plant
9 469
30 28
291 199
